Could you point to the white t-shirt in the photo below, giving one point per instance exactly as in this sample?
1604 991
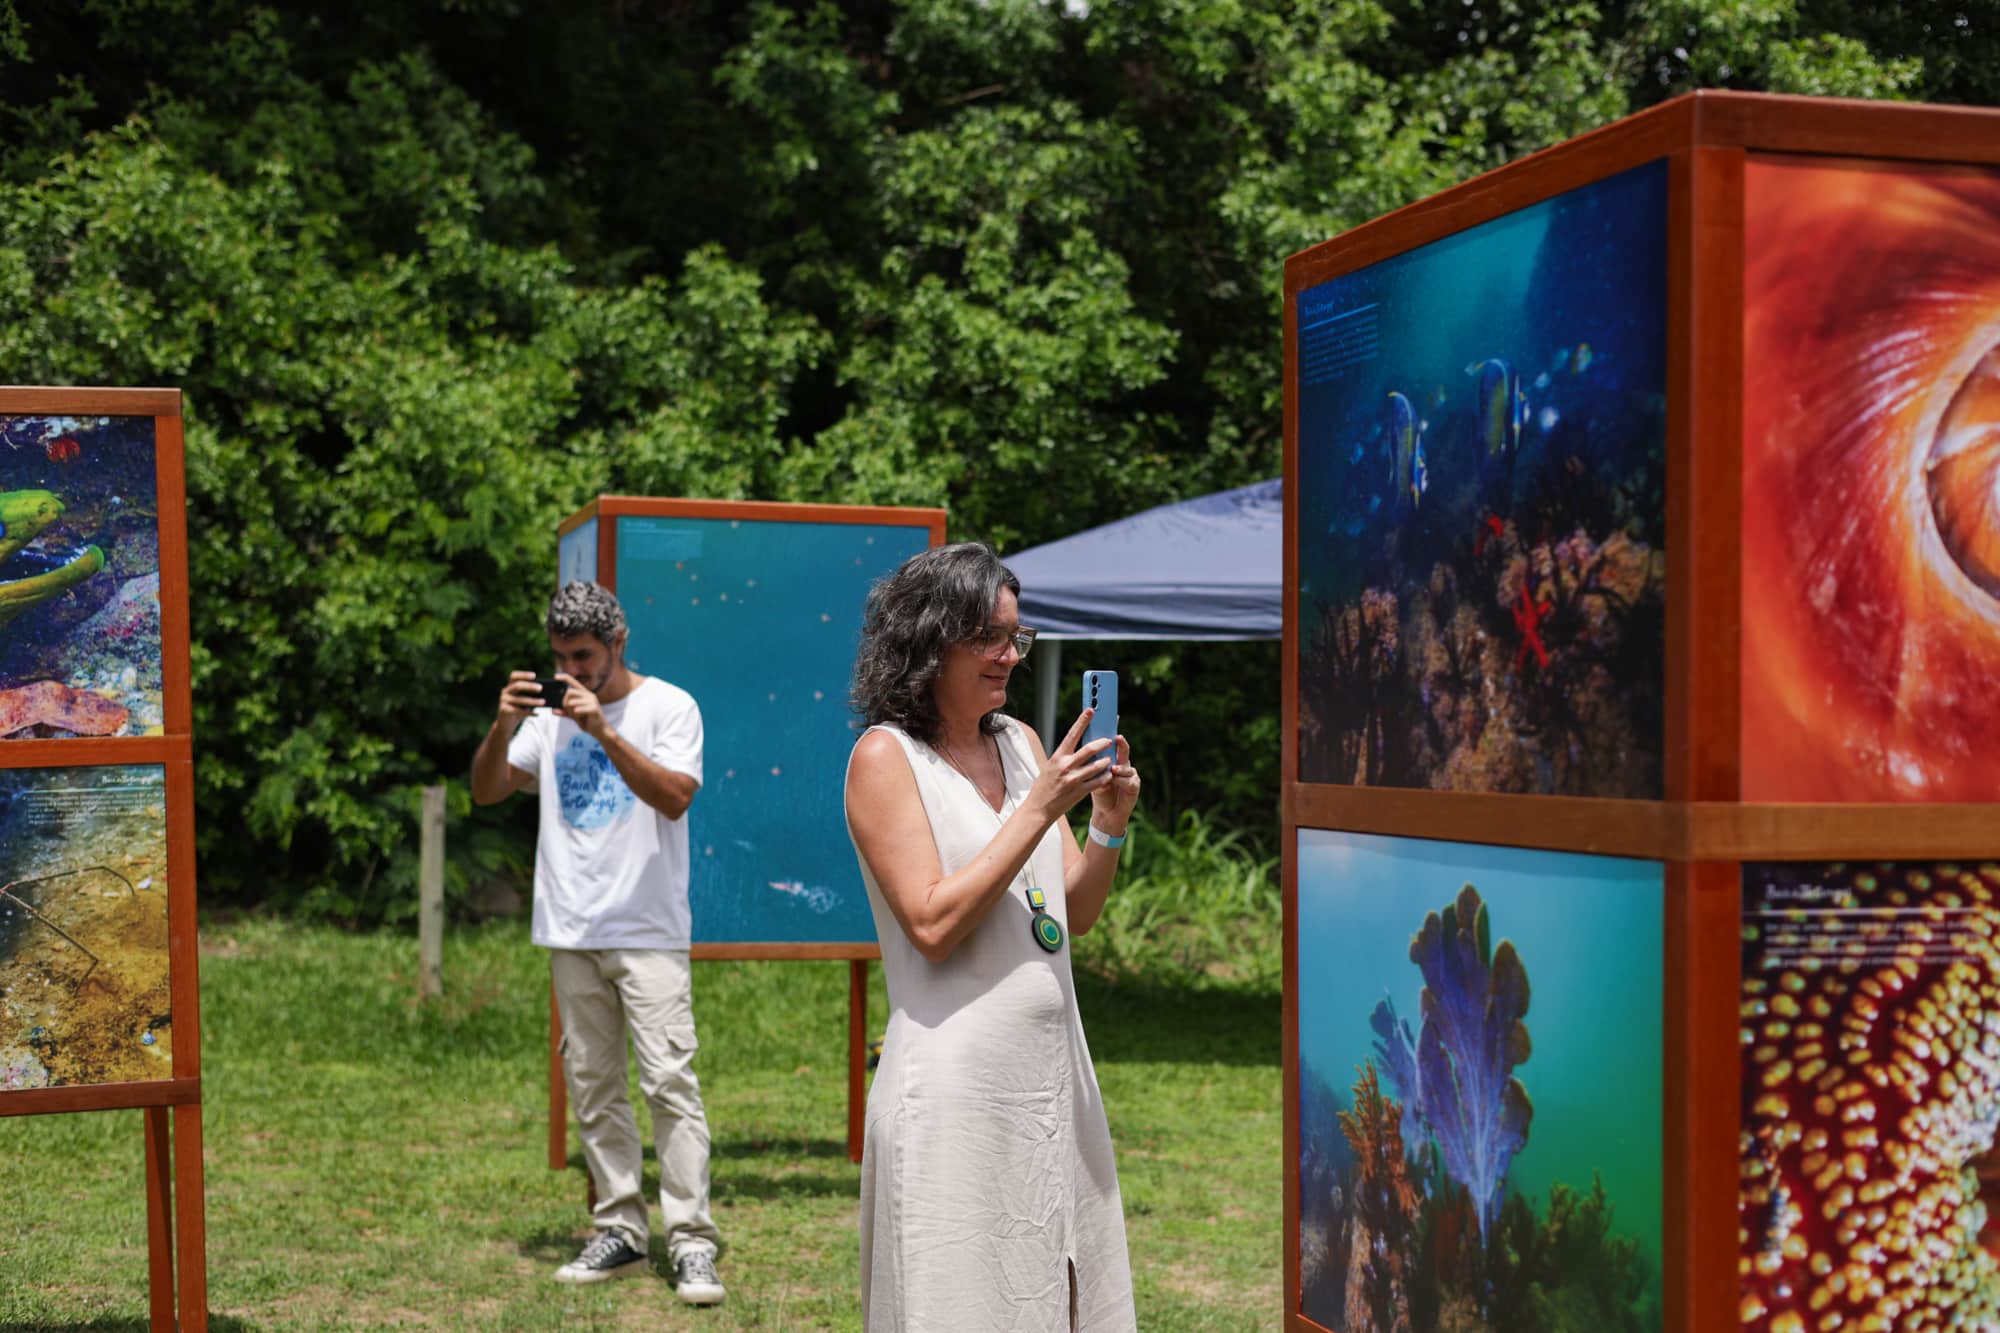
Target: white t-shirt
611 872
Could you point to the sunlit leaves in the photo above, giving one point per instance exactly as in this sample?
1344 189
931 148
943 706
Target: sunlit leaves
380 443
436 274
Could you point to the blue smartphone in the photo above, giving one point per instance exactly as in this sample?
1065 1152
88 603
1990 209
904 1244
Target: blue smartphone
1100 691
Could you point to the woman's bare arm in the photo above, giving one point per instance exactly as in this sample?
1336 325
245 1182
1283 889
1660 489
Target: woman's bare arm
885 812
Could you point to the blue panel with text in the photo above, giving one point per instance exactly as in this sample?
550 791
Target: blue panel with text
759 621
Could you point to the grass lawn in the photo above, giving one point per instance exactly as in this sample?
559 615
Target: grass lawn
373 1163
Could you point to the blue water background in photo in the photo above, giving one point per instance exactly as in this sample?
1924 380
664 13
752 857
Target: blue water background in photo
759 621
576 554
1580 278
1588 931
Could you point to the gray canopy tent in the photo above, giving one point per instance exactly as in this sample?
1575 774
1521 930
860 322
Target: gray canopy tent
1207 568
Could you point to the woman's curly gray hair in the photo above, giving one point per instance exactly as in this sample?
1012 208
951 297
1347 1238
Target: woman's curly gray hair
935 599
585 608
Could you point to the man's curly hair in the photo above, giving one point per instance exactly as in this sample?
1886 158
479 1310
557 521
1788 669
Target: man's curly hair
585 608
937 598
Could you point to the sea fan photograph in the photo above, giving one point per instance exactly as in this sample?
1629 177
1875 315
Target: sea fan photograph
1479 1064
1482 505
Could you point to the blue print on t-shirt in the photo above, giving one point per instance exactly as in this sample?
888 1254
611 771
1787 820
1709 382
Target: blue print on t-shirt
590 789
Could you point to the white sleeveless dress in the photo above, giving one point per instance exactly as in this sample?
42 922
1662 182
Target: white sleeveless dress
987 1169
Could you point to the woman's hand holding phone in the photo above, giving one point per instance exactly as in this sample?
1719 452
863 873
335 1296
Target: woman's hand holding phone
1071 770
1100 700
1114 798
1117 792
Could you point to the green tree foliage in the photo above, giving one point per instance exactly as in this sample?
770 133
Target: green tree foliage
434 272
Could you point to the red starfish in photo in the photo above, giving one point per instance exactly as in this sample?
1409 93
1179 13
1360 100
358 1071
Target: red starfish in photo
1528 616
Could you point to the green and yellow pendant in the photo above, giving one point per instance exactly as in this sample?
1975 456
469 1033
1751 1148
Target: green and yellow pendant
1047 930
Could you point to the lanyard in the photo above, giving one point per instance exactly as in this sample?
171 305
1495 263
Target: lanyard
1048 931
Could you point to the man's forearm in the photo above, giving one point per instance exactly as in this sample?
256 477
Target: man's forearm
668 791
490 780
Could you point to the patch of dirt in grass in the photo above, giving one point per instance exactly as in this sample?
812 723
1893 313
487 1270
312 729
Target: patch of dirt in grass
1212 1292
1197 1288
226 946
319 1307
507 1257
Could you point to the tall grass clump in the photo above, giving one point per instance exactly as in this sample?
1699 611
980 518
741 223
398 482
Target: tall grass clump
1193 907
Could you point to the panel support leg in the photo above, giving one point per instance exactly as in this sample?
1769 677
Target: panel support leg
160 1219
190 1222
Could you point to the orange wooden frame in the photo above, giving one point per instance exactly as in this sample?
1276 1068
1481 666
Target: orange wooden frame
857 953
1701 831
175 1193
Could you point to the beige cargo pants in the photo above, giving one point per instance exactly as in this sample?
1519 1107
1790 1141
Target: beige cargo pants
604 995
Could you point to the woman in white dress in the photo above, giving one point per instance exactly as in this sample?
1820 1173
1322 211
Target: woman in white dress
989 1198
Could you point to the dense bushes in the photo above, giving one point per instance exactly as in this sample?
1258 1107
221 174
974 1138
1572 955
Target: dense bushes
434 273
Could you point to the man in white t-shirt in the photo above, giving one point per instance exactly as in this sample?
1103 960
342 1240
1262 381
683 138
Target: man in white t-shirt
615 768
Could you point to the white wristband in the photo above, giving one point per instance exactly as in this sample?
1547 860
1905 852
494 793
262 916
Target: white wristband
1103 839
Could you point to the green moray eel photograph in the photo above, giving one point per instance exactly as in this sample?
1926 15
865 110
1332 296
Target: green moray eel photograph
29 578
79 577
23 515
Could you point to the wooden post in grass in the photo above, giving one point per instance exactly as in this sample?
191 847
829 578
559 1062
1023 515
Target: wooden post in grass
430 897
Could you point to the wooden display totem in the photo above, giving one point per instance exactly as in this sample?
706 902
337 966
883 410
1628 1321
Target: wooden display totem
99 1004
1643 618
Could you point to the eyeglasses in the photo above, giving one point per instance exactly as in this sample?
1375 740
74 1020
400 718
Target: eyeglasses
987 639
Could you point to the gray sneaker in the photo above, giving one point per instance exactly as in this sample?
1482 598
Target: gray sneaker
695 1281
607 1256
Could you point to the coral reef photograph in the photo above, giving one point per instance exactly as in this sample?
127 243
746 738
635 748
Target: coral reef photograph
79 578
84 985
1479 1058
1871 1091
1871 482
1482 505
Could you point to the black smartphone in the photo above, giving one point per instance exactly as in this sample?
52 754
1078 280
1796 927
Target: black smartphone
552 690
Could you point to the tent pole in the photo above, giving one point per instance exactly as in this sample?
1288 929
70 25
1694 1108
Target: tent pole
1047 680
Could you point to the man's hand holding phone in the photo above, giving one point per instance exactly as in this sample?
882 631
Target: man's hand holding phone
520 696
525 692
581 707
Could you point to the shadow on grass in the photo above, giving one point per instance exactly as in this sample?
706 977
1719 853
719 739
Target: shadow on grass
764 1169
556 1246
824 1149
772 1169
1144 1023
734 1146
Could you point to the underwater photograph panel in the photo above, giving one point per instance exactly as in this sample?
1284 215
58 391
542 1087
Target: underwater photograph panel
1479 1059
84 994
1870 1051
759 620
1482 505
1871 482
576 554
79 578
